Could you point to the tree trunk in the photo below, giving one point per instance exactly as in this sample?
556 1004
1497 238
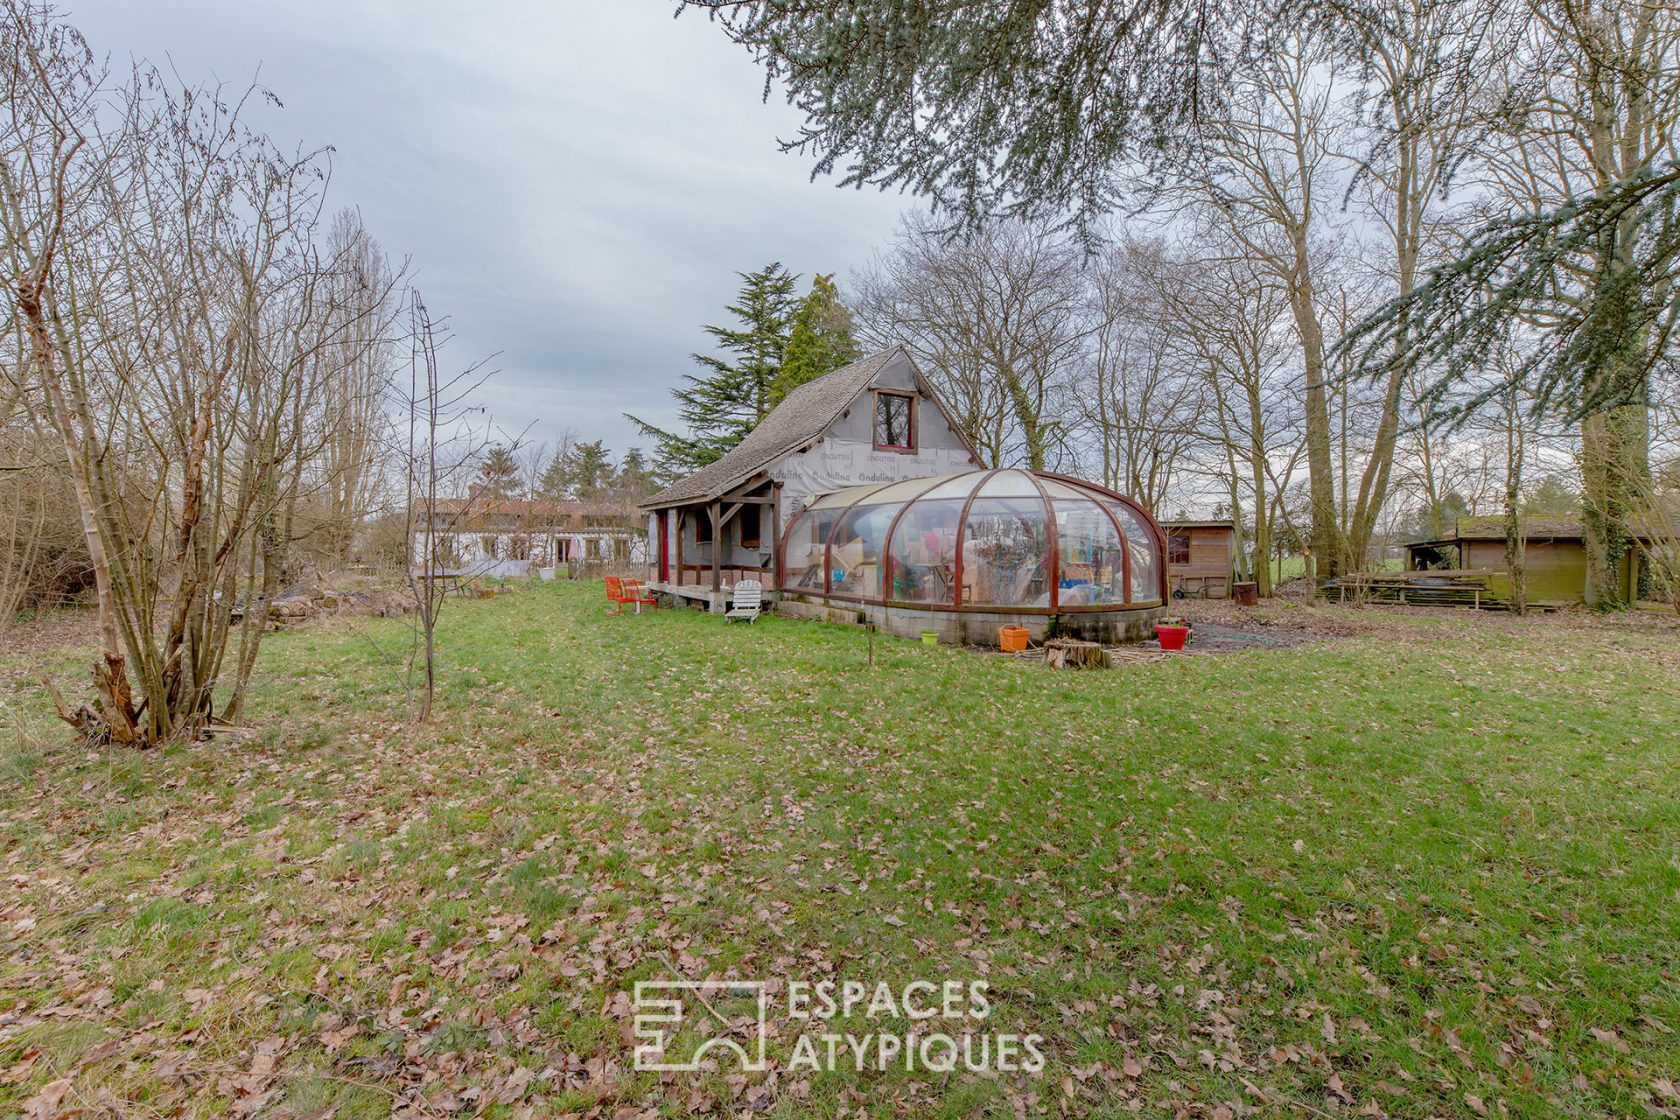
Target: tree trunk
1513 520
1327 544
1614 450
110 675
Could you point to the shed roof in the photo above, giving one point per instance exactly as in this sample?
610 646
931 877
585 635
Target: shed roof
1493 529
1533 528
1208 523
803 415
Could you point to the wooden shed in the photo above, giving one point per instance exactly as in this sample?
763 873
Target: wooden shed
1201 558
1554 557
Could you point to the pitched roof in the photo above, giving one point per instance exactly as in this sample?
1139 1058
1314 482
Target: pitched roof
1533 528
803 415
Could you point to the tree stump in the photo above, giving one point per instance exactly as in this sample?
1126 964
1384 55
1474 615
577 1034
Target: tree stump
1065 653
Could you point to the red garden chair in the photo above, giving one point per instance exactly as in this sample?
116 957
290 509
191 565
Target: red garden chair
621 591
635 591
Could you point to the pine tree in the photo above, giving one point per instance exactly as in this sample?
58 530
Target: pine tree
819 340
498 475
589 469
635 475
731 394
555 485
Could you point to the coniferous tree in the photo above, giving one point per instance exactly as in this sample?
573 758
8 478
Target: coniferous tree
555 485
589 470
731 394
498 474
819 340
635 475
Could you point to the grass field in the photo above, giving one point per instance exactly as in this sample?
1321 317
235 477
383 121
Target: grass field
1428 868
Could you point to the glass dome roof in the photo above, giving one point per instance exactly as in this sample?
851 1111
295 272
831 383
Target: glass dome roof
1009 541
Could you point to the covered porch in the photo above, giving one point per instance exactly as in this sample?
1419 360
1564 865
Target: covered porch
703 549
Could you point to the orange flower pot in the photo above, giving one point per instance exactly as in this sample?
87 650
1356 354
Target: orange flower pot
1013 639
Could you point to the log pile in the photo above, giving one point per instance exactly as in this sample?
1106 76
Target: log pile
1455 588
296 605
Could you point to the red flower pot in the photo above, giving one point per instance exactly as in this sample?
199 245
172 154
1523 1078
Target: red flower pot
1172 637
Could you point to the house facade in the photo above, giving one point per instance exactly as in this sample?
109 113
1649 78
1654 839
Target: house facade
859 499
478 535
877 420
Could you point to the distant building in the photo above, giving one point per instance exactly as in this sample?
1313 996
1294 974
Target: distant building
472 533
1201 558
1554 556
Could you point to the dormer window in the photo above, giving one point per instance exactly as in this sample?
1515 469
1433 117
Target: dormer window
895 421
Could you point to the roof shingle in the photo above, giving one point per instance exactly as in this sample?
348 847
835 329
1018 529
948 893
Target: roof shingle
804 415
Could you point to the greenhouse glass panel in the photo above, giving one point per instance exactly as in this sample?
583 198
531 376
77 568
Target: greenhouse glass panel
960 486
901 491
924 553
1146 557
806 539
1011 484
859 542
1006 553
1092 558
1057 489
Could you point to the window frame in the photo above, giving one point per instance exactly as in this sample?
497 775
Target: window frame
875 420
1173 537
756 539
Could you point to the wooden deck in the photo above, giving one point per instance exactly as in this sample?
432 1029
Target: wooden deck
716 602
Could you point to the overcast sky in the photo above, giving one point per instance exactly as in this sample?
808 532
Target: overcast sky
575 182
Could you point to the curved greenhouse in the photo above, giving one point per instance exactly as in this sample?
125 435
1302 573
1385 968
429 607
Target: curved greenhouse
964 554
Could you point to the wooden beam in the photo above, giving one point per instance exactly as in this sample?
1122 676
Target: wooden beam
717 543
679 514
740 492
775 537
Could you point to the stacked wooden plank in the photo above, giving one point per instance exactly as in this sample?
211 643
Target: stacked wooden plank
1436 588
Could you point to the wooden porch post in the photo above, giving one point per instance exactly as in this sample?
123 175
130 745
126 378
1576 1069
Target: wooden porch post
679 548
712 511
775 535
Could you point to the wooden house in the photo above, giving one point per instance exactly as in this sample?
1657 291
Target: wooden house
1201 558
877 420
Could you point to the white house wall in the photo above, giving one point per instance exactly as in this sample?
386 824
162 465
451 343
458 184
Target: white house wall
834 464
468 547
846 456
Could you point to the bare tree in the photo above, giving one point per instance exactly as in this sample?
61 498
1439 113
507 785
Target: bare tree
1229 317
441 452
1265 188
179 325
995 318
357 390
1133 395
1422 64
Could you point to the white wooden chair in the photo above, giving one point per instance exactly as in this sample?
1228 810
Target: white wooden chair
748 600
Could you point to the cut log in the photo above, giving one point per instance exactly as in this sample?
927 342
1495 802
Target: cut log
1062 653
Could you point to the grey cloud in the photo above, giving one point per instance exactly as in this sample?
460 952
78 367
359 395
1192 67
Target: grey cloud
576 184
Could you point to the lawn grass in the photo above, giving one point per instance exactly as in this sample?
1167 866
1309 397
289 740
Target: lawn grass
1428 870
